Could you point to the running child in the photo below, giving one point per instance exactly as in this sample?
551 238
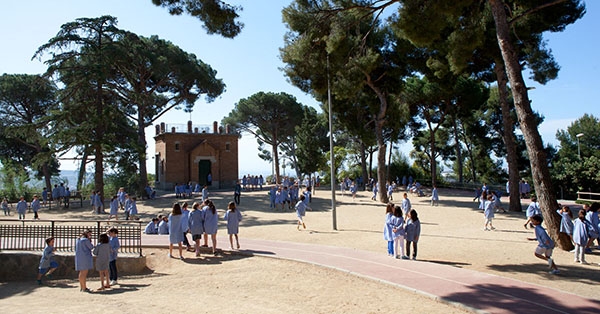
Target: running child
47 263
545 244
301 211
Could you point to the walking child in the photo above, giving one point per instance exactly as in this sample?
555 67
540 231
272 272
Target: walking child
435 198
233 217
113 241
406 206
102 252
35 206
6 207
47 263
22 207
301 211
114 207
545 244
413 232
489 214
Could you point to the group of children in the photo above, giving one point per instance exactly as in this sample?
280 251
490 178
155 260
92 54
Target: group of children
286 195
106 259
396 230
22 207
201 221
583 230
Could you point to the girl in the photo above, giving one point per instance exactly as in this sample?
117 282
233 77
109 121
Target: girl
233 217
196 226
497 204
566 223
483 200
301 211
211 223
399 233
114 207
406 206
413 232
435 198
175 230
113 241
532 210
388 226
102 252
185 217
592 217
22 207
83 258
489 214
580 236
133 209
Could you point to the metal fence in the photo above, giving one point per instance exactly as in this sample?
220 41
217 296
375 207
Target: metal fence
30 235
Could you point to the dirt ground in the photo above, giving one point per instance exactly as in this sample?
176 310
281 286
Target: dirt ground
452 234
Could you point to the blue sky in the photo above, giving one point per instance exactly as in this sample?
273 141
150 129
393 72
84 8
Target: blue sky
250 62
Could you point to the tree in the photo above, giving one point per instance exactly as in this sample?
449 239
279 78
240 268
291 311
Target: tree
25 101
153 76
270 117
359 54
217 16
81 57
311 142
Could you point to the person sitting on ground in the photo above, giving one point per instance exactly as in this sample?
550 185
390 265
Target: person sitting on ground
150 192
152 226
163 225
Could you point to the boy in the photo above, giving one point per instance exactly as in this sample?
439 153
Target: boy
152 227
47 261
114 249
545 244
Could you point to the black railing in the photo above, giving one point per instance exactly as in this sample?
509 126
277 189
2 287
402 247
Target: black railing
30 235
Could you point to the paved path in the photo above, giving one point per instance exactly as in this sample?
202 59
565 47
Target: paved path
468 289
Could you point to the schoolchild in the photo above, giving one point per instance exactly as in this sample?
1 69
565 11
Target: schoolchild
83 258
532 210
35 206
5 207
581 236
399 233
152 226
233 217
301 207
273 196
406 206
185 216
22 207
196 226
163 224
592 217
204 193
488 213
114 207
413 232
211 223
545 244
121 196
566 221
44 196
133 211
113 241
102 253
388 226
435 198
47 263
175 230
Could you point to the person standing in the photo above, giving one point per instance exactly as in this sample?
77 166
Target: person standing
211 223
35 206
22 207
113 234
406 206
83 258
175 230
435 198
237 192
388 234
196 226
413 232
185 216
233 217
102 253
581 236
5 207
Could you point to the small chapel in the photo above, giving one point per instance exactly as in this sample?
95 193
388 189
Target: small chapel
192 153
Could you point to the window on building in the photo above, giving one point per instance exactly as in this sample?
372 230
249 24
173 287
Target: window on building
177 146
227 146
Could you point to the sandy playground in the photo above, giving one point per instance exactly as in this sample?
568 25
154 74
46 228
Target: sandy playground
452 234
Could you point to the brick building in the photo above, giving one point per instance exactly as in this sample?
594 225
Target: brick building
192 153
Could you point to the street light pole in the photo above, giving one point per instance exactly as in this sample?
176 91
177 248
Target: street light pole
333 175
578 146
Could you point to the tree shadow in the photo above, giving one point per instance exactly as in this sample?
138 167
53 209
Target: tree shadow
449 263
516 299
570 272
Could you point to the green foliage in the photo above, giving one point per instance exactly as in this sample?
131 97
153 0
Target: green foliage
217 16
311 141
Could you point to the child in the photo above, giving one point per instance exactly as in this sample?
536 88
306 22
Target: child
5 207
114 243
114 207
133 209
211 223
121 197
532 210
301 211
22 207
47 261
233 217
592 217
566 223
185 217
308 197
375 188
152 227
496 201
35 206
353 190
413 232
406 206
399 233
175 230
204 193
273 196
83 259
196 226
545 244
489 214
581 236
102 252
163 225
435 198
390 191
388 226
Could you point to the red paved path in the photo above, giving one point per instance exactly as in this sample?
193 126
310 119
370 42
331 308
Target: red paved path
471 290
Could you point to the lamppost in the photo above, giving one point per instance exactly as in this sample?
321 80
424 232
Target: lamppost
578 146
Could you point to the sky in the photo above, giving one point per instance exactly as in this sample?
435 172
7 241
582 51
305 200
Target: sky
250 62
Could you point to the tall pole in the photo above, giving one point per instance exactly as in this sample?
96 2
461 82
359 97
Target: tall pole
331 149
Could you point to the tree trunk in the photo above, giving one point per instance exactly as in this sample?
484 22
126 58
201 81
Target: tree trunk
81 173
508 136
389 164
537 156
363 164
458 148
432 163
47 177
141 141
383 197
99 171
